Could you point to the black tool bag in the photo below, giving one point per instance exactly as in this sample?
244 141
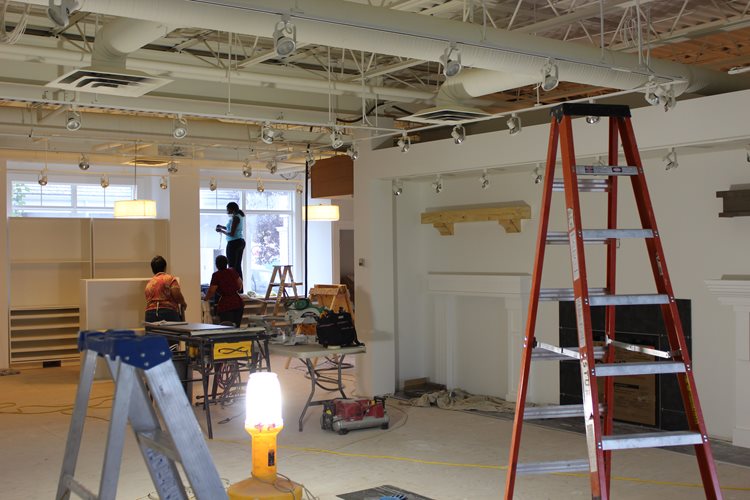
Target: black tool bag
336 329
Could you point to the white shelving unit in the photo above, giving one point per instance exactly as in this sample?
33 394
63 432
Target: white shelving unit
43 334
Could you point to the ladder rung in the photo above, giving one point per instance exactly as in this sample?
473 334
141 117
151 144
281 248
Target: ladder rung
555 411
642 349
552 467
79 489
647 368
599 235
159 441
565 294
549 352
651 440
584 185
606 170
629 300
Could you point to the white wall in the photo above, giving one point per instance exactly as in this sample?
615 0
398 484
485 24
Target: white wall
699 245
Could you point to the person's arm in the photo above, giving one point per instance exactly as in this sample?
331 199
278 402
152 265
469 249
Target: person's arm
221 229
211 292
235 224
239 283
177 295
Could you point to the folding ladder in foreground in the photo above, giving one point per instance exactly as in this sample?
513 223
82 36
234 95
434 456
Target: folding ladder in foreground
147 393
598 416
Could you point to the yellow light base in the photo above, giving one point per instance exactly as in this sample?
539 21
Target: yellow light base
253 489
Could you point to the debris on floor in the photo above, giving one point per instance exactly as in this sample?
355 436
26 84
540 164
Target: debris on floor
458 399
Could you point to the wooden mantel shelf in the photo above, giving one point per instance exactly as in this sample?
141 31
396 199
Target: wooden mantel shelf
508 215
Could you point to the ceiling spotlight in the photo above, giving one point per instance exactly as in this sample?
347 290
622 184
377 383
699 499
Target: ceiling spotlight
272 166
459 134
484 181
163 182
398 187
651 97
60 14
179 127
285 37
437 186
668 98
592 119
309 158
172 167
451 61
267 133
298 188
104 181
83 163
536 175
336 140
404 143
549 76
260 187
353 152
73 120
212 184
247 170
514 124
671 160
42 179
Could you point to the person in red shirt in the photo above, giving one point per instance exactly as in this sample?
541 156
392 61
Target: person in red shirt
227 282
164 300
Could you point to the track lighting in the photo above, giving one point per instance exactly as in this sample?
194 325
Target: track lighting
172 167
549 76
398 187
536 175
668 98
60 14
459 134
336 140
353 152
73 120
42 179
437 186
514 124
285 37
592 119
309 158
163 182
260 187
298 188
484 181
651 96
404 143
247 170
104 181
212 184
272 166
671 160
267 133
83 163
451 61
179 127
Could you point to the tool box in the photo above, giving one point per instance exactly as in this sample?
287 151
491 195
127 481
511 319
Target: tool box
342 415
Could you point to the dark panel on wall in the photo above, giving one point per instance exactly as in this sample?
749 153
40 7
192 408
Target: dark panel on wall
332 177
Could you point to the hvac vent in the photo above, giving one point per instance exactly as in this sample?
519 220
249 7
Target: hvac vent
124 83
445 115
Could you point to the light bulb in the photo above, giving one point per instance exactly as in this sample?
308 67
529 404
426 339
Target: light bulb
104 182
73 120
83 163
42 179
212 184
163 182
179 128
260 187
398 187
247 170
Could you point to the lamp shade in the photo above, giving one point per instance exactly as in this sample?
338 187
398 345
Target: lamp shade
263 402
320 213
135 209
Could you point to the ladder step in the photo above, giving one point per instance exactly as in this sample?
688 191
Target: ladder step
605 170
555 411
597 297
647 368
599 235
552 467
79 489
642 349
651 440
549 352
584 185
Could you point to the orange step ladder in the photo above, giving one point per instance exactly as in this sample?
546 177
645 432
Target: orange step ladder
597 416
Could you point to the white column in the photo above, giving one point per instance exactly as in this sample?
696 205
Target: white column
736 293
184 237
446 335
5 270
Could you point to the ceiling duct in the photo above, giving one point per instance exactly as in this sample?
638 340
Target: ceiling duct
446 114
108 73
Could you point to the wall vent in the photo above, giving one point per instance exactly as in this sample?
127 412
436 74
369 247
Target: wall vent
123 83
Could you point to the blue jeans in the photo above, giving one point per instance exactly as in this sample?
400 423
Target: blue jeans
153 315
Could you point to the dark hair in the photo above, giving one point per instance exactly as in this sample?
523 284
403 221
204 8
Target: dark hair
221 262
234 208
158 264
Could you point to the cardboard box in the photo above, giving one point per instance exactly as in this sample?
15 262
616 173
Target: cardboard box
635 395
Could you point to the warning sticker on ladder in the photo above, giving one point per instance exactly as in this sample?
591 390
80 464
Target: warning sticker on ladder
579 318
573 245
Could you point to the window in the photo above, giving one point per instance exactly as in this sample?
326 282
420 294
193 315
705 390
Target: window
269 232
29 199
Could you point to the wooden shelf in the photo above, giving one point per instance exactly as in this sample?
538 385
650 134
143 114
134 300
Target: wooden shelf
736 202
508 215
43 334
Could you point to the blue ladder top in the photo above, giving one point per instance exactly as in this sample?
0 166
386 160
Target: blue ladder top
139 351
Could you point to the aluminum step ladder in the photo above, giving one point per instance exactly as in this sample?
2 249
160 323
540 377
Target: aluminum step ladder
148 394
598 416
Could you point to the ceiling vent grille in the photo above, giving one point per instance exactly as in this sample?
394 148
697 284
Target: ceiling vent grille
446 115
124 83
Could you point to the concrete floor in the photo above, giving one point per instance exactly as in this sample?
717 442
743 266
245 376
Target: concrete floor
435 453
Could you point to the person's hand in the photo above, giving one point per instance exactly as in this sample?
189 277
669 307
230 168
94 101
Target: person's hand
184 306
218 228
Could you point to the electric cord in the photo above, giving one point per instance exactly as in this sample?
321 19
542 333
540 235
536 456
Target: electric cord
12 408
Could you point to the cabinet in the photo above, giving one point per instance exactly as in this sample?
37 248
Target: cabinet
43 334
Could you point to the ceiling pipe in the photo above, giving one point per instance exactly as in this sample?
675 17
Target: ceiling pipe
118 38
362 27
471 83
